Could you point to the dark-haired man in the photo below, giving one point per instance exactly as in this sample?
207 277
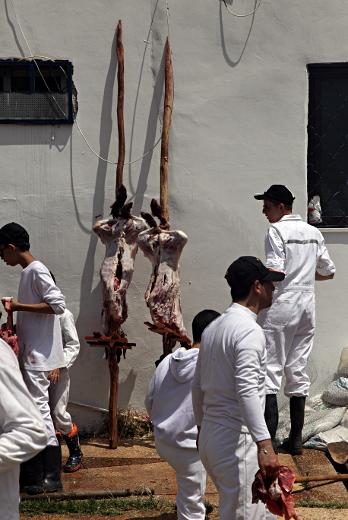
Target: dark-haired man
228 393
40 347
169 404
297 249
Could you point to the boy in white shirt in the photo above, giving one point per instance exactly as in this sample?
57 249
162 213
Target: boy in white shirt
169 404
40 347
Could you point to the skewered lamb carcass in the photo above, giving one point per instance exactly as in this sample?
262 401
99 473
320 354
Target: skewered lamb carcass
276 494
163 248
7 332
119 236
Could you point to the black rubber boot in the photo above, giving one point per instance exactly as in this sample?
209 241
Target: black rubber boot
271 417
75 459
52 467
293 444
30 472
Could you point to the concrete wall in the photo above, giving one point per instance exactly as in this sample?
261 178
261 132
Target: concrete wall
238 126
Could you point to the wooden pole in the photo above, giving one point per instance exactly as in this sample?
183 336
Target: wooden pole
120 105
113 368
167 114
318 478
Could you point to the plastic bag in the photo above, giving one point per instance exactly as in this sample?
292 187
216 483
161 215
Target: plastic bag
314 210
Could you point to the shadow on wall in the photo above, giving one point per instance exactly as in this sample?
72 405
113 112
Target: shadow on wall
91 298
239 49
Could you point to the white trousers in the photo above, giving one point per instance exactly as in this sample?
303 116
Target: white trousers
58 401
38 385
230 458
289 328
191 479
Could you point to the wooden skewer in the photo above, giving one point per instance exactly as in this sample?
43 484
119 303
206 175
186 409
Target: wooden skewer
120 105
167 114
318 478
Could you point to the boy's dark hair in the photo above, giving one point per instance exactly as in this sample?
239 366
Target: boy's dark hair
276 202
15 234
201 321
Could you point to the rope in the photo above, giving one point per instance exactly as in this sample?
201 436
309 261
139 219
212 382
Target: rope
32 56
242 15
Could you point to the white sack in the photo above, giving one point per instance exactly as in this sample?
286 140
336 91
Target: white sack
321 440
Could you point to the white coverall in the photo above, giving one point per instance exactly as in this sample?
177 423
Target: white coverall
169 404
59 392
297 249
228 393
39 337
22 431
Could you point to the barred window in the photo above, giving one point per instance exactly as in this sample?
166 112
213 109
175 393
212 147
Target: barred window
327 163
36 92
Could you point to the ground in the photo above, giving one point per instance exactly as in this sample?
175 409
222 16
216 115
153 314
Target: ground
135 465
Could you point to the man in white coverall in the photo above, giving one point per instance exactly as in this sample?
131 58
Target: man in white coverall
22 431
228 393
40 348
169 404
297 249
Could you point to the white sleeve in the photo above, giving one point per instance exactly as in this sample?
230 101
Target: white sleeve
247 376
149 395
71 342
197 393
274 249
48 291
325 265
23 430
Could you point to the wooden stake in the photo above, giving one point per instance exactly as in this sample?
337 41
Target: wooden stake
120 105
167 114
318 478
113 368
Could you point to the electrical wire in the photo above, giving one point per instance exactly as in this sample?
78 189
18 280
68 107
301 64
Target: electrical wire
32 56
242 15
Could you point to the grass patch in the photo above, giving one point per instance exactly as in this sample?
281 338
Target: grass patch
326 505
104 507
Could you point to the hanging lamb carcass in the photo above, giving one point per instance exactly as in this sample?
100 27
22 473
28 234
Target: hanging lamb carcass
163 248
119 235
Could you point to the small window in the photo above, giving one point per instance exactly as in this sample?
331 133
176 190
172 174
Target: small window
37 92
327 163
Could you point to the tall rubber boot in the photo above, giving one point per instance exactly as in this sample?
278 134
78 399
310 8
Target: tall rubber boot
75 459
30 472
52 467
272 417
293 444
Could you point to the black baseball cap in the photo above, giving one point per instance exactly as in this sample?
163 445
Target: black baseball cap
13 234
277 192
245 270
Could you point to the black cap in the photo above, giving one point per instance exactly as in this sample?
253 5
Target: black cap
244 271
13 234
277 192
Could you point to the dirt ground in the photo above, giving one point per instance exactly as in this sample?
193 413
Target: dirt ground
135 465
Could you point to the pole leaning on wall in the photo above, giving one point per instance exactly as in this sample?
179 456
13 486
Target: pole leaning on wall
167 114
120 105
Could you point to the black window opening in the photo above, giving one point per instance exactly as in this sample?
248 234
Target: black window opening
327 162
37 92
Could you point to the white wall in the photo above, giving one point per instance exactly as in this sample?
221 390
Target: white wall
238 126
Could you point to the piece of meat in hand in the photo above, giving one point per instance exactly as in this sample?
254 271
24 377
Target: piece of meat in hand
276 494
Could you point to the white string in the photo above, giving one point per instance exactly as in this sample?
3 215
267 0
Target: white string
242 15
76 122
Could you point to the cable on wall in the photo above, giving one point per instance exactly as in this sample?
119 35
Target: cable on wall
32 56
242 15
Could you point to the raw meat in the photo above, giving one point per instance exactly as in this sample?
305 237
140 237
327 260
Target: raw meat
119 236
163 248
7 332
276 494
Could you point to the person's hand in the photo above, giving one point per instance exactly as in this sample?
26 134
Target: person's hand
53 375
8 304
268 462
